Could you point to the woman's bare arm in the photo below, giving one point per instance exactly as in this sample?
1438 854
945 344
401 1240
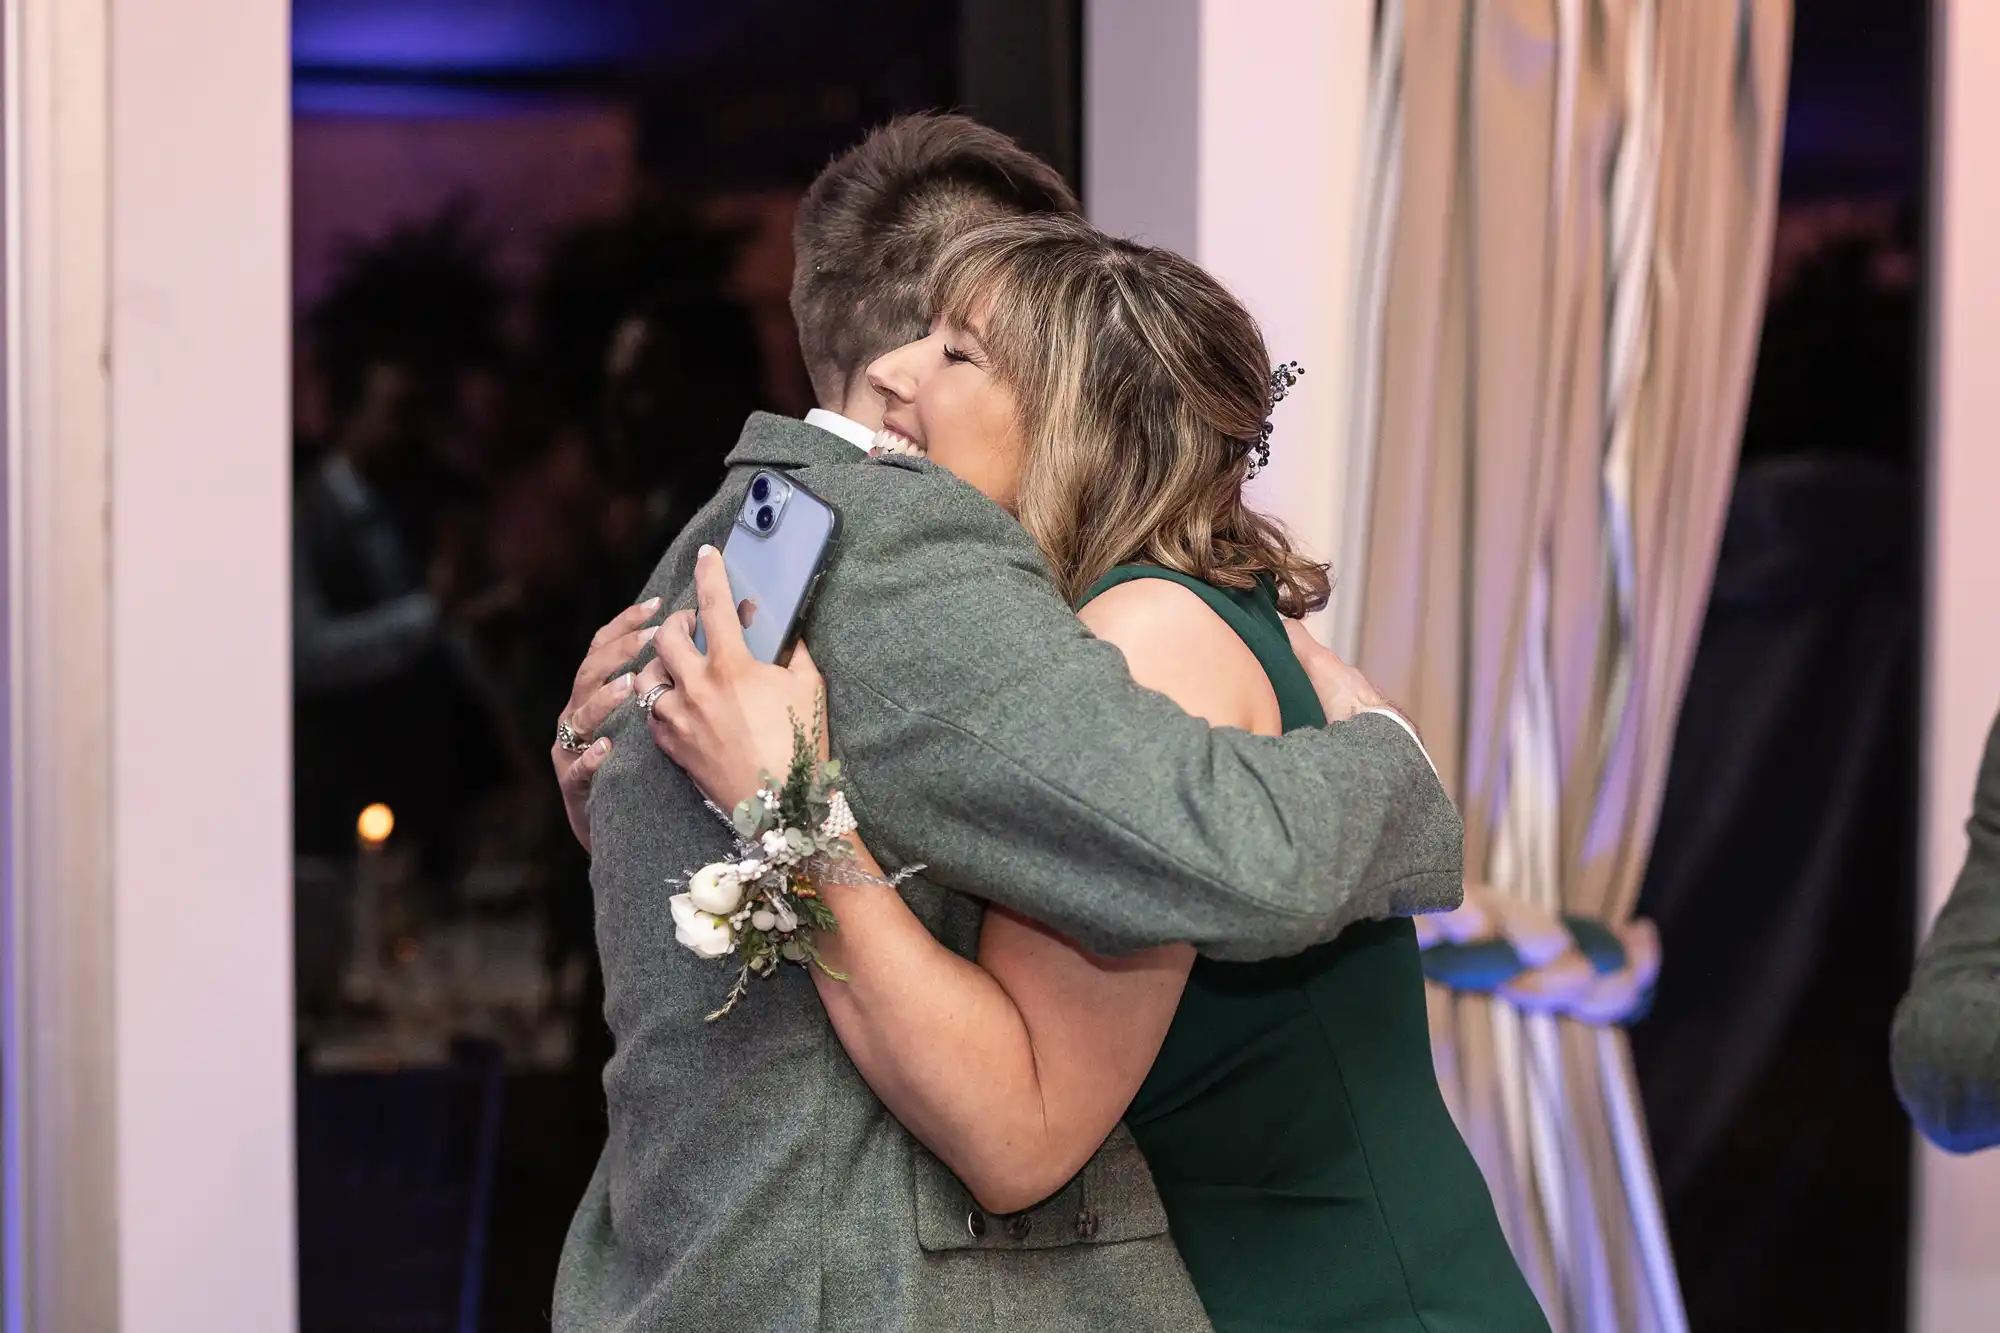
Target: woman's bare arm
1014 1069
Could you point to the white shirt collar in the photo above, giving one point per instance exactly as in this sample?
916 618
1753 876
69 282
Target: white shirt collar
846 428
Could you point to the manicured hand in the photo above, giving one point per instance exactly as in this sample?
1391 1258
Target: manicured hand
724 716
595 693
1343 691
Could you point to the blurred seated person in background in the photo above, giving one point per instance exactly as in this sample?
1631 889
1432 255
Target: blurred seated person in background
1945 1046
388 705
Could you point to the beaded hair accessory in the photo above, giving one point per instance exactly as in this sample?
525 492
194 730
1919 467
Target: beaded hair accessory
1283 378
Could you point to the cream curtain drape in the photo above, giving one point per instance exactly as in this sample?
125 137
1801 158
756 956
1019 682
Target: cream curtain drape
1564 245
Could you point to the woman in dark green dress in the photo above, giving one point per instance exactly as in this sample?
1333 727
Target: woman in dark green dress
1114 398
1343 1170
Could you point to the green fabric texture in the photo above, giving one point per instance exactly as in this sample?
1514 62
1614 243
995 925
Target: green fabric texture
1312 1177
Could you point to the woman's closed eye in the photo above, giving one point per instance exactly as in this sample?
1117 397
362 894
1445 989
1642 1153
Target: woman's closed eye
957 357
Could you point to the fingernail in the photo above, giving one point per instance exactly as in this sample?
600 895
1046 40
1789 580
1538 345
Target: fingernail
624 683
651 604
604 745
705 552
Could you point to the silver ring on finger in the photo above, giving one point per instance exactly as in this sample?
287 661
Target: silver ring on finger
652 696
569 739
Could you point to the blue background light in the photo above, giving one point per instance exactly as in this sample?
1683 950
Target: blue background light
499 36
473 57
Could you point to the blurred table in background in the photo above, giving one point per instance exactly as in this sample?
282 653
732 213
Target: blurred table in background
480 973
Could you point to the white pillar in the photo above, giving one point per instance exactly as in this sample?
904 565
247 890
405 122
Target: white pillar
1232 131
149 1079
59 1173
1957 1241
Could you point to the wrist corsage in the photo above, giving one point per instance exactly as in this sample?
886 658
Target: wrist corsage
763 906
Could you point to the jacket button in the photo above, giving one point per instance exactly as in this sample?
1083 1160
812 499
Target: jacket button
1019 1225
975 1224
1086 1223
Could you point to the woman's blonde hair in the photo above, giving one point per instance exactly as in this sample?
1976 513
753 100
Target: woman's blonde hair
1144 387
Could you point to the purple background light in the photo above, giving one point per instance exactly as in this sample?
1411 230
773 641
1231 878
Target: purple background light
501 36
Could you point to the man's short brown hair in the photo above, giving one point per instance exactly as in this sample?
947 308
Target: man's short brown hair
869 227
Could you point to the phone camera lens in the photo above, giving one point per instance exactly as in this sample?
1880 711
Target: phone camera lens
765 518
760 491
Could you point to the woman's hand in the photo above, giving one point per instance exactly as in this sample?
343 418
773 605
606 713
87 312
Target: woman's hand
725 717
1343 691
593 695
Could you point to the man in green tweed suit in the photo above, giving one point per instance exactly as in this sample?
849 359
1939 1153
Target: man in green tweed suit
751 1180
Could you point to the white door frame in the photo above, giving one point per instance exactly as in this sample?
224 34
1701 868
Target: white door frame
147 1023
1955 1282
1233 132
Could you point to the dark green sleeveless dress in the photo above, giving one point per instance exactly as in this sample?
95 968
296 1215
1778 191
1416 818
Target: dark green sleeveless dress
1312 1177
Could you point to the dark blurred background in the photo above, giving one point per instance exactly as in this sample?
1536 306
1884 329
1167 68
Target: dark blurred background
542 254
1783 876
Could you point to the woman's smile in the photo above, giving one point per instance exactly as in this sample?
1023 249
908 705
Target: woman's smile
895 438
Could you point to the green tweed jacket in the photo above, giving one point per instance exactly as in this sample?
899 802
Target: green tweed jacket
1945 1046
751 1181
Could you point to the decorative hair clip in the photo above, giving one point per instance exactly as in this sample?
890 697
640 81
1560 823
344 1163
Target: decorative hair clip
1283 378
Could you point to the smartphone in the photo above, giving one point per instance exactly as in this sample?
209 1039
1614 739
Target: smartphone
776 553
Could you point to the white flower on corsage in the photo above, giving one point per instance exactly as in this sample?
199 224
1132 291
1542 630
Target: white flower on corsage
717 889
704 932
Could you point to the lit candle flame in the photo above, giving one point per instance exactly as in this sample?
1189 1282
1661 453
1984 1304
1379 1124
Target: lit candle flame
377 822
